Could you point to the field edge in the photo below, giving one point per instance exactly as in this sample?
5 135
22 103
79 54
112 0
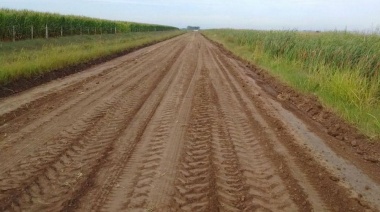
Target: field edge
22 84
352 142
292 95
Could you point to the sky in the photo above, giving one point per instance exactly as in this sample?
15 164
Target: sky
352 15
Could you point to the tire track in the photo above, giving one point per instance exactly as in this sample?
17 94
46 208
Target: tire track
310 169
54 149
158 140
138 196
265 188
230 192
310 198
195 182
40 107
307 197
59 115
60 158
233 192
140 122
62 115
217 172
89 152
163 188
136 75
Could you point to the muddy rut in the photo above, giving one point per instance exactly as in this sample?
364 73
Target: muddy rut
177 126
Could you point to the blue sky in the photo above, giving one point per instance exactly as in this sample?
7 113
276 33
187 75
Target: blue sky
357 15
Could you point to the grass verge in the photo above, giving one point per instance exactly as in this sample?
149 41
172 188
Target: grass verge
30 58
341 69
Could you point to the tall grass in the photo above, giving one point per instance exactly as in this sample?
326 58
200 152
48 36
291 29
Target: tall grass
25 59
341 68
22 21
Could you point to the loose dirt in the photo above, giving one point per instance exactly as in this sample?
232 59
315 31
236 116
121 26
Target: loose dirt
181 125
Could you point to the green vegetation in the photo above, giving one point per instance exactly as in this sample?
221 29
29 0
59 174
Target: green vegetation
24 59
341 68
21 24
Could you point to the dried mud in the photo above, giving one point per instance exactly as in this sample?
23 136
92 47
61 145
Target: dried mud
181 125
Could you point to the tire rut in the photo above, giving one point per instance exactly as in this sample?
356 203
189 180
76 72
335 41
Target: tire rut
97 142
121 159
307 195
265 187
86 151
42 106
137 74
195 184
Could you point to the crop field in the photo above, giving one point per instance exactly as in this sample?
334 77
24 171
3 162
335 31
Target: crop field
21 25
342 69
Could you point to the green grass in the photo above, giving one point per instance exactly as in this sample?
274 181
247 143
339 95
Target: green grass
25 59
341 68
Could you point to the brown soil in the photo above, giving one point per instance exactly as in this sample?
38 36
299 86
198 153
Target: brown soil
181 125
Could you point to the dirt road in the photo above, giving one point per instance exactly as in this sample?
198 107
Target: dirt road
177 126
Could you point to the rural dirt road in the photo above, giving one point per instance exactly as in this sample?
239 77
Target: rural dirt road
177 126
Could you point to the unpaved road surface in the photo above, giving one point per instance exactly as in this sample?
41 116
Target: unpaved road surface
177 126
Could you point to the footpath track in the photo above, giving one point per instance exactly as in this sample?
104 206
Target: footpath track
177 126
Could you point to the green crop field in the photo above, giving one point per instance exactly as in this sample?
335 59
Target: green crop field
24 24
341 68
